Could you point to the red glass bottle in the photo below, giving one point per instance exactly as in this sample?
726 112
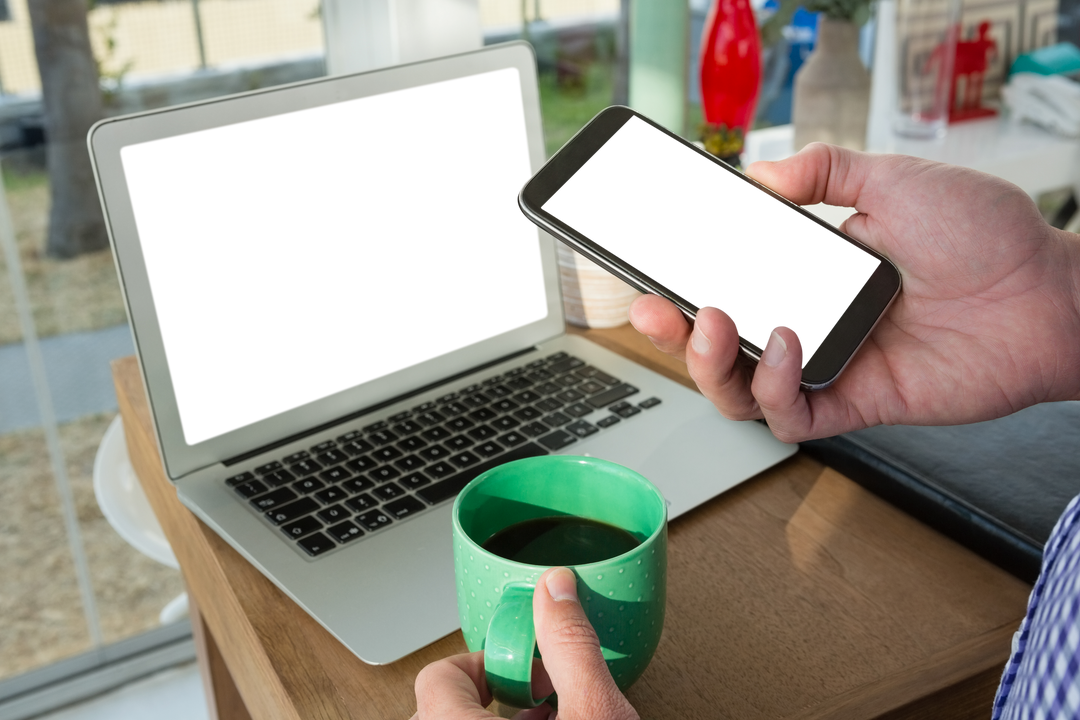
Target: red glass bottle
730 65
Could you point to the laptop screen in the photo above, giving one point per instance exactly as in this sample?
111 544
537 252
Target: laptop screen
299 255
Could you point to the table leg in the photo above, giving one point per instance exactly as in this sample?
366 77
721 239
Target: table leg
222 698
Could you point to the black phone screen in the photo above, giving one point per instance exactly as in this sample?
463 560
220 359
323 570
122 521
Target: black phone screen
712 237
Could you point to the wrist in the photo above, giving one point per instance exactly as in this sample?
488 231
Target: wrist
1071 243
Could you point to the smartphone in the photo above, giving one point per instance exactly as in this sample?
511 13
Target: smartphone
672 220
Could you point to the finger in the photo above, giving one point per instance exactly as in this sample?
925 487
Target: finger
571 652
776 387
712 357
454 688
664 324
818 173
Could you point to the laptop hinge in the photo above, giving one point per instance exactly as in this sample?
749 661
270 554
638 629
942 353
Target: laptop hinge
374 408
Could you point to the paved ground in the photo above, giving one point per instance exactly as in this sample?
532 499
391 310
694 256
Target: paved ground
77 365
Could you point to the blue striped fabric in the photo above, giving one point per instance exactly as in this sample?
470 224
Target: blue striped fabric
1042 678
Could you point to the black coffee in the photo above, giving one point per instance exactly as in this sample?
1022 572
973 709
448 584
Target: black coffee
561 540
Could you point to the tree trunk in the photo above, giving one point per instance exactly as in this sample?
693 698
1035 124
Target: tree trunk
72 101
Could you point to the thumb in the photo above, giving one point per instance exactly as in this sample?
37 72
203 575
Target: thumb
571 653
818 173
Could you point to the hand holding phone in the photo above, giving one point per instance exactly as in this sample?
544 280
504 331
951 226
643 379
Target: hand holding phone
674 221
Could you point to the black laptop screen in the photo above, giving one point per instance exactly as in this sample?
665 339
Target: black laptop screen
296 256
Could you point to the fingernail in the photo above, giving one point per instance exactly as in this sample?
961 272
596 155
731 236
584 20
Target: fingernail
775 351
699 341
562 585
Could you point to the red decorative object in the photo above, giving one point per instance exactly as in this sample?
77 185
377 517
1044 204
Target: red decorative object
972 57
730 65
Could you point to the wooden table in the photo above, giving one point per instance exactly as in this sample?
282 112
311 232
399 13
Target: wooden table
796 595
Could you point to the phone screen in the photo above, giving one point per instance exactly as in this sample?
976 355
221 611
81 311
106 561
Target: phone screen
711 237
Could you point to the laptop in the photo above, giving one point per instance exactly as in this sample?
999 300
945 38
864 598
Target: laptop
342 317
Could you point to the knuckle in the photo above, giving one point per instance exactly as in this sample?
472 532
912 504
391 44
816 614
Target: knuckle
575 630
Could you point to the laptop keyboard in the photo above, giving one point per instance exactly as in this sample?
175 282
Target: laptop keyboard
364 481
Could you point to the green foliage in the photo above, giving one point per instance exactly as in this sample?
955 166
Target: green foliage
856 11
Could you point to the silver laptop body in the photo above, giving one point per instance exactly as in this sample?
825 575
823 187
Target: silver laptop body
306 265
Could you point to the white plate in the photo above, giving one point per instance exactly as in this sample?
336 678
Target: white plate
122 500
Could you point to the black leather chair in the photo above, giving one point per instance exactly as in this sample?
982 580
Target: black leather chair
996 487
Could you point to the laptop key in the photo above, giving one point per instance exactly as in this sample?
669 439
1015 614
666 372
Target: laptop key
383 474
361 464
454 408
389 491
650 403
331 495
464 459
350 436
499 391
451 486
505 423
570 395
414 480
303 526
608 421
547 388
440 470
459 424
519 383
435 452
316 544
278 478
488 449
436 434
504 406
431 417
556 419
615 394
334 513
511 439
344 532
382 437
527 413
404 507
335 474
458 442
408 427
483 414
624 409
374 519
578 410
274 499
482 432
535 428
308 485
410 463
549 405
332 457
357 447
324 446
305 467
251 489
590 387
557 440
362 502
582 429
360 484
241 478
268 467
411 444
526 398
568 380
386 454
292 511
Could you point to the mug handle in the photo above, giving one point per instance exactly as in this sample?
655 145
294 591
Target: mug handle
508 649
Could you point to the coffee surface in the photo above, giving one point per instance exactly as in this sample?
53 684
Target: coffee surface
560 540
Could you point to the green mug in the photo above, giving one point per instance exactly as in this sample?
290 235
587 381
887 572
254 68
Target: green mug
532 509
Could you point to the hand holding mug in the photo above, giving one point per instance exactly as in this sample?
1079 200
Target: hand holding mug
573 666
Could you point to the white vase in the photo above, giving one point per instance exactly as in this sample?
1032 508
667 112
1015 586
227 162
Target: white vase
832 89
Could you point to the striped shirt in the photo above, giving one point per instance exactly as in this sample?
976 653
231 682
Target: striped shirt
1042 678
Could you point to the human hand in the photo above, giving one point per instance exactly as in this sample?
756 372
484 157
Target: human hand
987 322
456 689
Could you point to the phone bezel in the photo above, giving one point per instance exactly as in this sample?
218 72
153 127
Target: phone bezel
839 346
